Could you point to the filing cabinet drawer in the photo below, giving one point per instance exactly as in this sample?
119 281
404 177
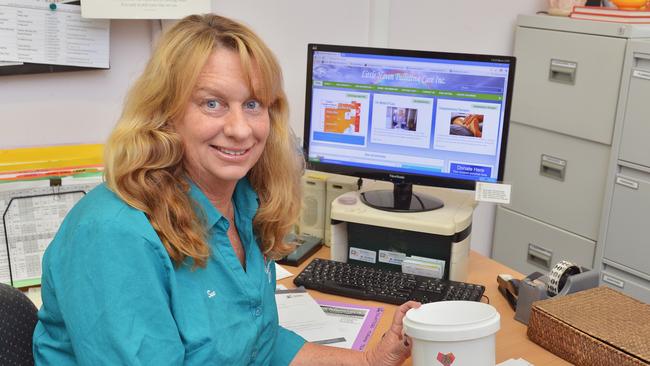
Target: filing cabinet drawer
636 126
627 240
567 82
529 245
556 178
626 283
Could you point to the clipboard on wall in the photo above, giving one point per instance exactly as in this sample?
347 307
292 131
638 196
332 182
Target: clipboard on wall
38 186
29 223
44 36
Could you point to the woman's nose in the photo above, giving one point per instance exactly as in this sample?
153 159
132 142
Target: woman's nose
237 126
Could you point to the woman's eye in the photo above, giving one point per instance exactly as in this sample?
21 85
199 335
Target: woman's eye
253 104
212 104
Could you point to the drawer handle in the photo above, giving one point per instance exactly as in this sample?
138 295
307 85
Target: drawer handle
561 71
613 281
539 256
629 183
642 60
641 74
552 167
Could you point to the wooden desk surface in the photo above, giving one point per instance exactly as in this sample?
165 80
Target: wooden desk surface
511 340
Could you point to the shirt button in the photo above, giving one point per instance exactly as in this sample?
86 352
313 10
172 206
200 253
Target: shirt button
253 354
258 311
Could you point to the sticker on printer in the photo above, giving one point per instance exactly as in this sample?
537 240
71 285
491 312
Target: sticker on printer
396 258
492 192
363 255
421 266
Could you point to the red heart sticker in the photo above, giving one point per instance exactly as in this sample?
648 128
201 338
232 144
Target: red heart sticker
447 359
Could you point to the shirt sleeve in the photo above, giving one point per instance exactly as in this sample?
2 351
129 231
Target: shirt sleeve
111 287
287 345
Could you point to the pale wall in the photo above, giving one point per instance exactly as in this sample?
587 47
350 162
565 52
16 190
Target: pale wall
81 107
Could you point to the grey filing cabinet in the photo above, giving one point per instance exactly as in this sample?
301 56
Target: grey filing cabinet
564 113
625 253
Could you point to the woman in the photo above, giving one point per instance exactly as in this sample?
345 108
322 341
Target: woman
170 261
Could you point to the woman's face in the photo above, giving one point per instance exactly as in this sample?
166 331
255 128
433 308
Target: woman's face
224 128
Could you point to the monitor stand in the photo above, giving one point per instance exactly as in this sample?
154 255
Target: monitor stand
401 199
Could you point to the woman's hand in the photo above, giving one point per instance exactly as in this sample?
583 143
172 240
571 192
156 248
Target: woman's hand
394 348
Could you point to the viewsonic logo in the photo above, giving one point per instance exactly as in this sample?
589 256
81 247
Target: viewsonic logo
447 359
395 176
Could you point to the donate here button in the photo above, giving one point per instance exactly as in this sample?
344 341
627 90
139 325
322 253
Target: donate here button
473 170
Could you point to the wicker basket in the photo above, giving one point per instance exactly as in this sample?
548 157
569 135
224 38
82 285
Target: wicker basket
597 327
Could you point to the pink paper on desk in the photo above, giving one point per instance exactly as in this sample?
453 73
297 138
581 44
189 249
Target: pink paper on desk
351 317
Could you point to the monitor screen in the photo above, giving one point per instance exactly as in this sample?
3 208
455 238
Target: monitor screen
418 117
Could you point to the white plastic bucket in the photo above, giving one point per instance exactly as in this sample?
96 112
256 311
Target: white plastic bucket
453 333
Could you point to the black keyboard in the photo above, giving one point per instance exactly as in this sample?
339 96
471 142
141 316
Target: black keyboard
368 283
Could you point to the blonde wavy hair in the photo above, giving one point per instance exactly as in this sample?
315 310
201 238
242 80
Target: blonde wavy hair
144 156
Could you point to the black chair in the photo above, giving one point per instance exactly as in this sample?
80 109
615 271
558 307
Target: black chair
17 323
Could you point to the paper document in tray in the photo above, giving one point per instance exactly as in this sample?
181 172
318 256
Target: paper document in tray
299 312
355 322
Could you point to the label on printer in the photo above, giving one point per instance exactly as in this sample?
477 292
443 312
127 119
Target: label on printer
386 256
363 255
421 266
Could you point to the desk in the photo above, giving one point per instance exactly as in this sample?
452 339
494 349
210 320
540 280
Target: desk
511 340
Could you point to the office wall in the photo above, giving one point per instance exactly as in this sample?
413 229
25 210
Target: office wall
73 107
83 106
472 26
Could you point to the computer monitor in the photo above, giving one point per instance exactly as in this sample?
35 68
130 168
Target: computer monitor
409 117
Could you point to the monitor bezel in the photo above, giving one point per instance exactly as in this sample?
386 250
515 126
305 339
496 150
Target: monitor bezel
400 177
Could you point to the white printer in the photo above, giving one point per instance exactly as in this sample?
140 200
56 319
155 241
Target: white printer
384 239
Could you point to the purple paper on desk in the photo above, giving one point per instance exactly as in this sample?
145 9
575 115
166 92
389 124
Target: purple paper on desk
356 321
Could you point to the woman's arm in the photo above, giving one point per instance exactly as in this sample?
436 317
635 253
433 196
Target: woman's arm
393 348
106 298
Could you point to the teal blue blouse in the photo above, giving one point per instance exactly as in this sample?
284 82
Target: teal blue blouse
112 296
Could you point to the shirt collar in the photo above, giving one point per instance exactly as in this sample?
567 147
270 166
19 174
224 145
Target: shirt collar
245 199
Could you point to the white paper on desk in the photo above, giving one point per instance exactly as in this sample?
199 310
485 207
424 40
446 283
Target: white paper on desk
299 312
517 362
281 272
